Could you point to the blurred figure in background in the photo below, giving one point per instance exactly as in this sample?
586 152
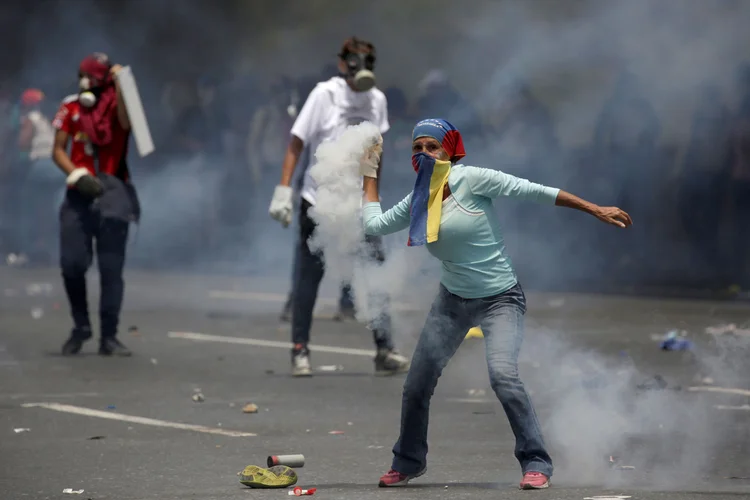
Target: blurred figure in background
333 105
704 180
521 133
739 187
438 97
41 188
625 140
100 202
269 133
11 177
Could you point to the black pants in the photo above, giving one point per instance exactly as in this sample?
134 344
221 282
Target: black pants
83 231
309 273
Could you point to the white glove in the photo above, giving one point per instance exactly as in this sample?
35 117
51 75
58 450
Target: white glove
281 205
368 166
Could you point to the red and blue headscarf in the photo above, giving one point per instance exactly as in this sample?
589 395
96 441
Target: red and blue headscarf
432 175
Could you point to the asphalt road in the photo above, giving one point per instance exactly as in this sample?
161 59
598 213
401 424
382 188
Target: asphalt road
583 360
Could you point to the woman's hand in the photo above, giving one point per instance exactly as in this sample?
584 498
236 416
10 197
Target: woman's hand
369 164
613 215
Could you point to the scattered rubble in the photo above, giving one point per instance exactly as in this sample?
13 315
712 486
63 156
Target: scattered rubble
730 328
250 408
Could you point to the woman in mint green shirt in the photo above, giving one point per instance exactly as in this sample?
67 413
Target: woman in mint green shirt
451 211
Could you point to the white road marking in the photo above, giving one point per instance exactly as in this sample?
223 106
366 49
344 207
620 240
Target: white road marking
725 390
722 407
88 412
203 337
53 396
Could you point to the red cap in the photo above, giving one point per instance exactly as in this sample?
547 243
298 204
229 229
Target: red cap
29 97
96 66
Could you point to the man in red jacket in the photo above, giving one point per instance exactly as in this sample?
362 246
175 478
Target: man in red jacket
100 202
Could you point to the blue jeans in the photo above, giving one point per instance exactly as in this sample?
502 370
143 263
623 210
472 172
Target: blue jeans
501 319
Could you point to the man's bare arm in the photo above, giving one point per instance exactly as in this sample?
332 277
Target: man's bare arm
293 152
60 154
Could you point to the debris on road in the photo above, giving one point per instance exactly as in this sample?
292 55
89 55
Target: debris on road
295 461
71 491
336 433
154 361
198 397
614 464
331 368
19 430
727 328
278 476
375 447
477 392
133 330
92 438
251 408
298 492
675 341
37 312
111 407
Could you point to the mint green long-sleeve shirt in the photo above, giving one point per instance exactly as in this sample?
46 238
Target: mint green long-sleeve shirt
470 244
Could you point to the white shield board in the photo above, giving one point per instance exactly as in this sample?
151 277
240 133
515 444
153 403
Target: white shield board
138 122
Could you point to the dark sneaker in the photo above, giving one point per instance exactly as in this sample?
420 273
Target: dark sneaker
390 362
345 314
75 342
534 481
110 346
301 366
279 476
394 478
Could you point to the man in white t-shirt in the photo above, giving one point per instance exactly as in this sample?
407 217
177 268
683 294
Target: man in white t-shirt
344 100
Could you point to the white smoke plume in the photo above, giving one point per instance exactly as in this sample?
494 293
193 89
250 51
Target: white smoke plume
337 211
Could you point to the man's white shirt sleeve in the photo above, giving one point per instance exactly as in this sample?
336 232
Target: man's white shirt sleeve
384 123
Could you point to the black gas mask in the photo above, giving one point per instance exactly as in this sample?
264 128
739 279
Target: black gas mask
359 70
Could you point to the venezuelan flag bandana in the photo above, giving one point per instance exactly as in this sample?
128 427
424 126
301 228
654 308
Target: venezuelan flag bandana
432 176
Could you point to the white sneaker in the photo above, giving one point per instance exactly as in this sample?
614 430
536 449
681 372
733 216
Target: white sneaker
301 364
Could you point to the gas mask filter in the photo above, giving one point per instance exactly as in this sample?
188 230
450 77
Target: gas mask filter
359 70
86 97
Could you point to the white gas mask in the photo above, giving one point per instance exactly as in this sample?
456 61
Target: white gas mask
360 70
86 97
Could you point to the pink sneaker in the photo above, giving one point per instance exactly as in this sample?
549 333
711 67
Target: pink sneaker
534 481
395 478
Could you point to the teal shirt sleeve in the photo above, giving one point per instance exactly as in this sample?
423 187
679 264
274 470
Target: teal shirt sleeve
394 220
494 184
